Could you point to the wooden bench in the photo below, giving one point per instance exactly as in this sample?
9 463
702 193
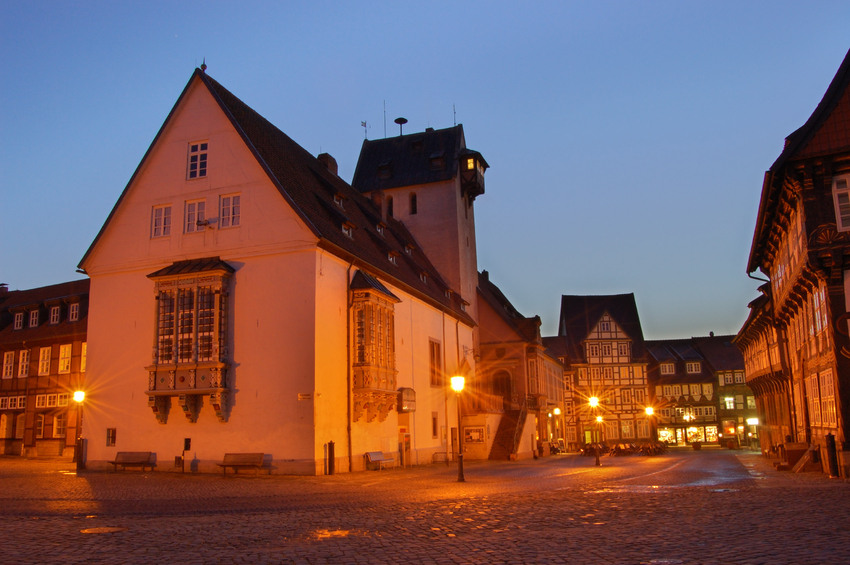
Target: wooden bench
373 457
238 461
126 459
440 457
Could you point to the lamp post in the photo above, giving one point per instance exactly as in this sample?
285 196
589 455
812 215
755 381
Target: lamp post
457 386
650 411
594 404
79 397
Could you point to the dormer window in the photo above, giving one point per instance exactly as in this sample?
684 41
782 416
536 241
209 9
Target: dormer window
693 367
348 229
385 170
339 200
19 321
393 257
381 227
74 312
423 276
437 161
667 369
470 164
408 249
34 318
54 314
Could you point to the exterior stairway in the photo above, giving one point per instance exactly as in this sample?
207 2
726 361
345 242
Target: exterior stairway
505 442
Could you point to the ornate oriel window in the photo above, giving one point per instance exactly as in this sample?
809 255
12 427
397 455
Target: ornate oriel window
373 361
190 354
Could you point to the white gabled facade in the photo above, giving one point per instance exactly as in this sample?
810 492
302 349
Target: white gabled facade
234 328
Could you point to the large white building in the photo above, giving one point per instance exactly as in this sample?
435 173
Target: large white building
246 298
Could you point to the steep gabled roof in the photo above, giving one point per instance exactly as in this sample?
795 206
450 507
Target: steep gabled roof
720 352
581 313
679 352
325 203
413 159
827 131
526 328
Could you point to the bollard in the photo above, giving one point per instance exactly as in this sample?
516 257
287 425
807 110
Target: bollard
832 456
331 458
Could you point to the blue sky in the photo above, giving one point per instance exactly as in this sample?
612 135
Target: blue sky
627 140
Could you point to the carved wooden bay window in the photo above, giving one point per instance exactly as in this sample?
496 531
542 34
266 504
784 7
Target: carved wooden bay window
190 357
373 351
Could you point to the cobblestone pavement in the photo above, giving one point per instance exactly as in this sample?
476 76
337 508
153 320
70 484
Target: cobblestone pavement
712 506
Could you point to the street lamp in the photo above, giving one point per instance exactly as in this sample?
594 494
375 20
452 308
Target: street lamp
457 386
79 397
650 411
598 438
593 401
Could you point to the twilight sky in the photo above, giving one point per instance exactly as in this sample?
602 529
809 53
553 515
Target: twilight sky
627 139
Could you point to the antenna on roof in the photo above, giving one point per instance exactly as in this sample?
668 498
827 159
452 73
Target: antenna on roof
385 118
400 122
454 114
203 65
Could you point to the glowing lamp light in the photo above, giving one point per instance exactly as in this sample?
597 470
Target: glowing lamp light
593 401
649 411
557 411
457 383
752 421
599 419
79 396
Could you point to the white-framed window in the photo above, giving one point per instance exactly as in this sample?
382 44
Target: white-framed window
230 211
59 424
707 390
194 216
33 318
62 399
65 358
626 428
695 389
728 379
74 312
692 367
51 400
605 326
729 402
606 349
24 363
19 321
668 368
41 401
593 350
197 166
677 391
54 314
4 402
623 349
827 394
83 358
39 425
841 199
44 361
161 221
668 390
8 364
739 377
626 396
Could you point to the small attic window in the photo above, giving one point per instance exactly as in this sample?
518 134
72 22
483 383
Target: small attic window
470 164
348 229
393 257
438 161
423 276
385 170
381 227
408 249
339 200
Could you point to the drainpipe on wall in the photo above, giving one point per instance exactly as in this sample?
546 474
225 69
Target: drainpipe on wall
348 302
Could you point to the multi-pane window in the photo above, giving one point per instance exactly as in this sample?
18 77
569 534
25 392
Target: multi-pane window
59 424
195 216
197 160
65 358
667 369
161 221
606 349
435 365
230 211
827 391
186 324
39 425
62 399
729 402
841 197
44 361
623 349
54 314
8 364
83 358
19 320
24 363
74 312
692 367
34 318
707 390
695 389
